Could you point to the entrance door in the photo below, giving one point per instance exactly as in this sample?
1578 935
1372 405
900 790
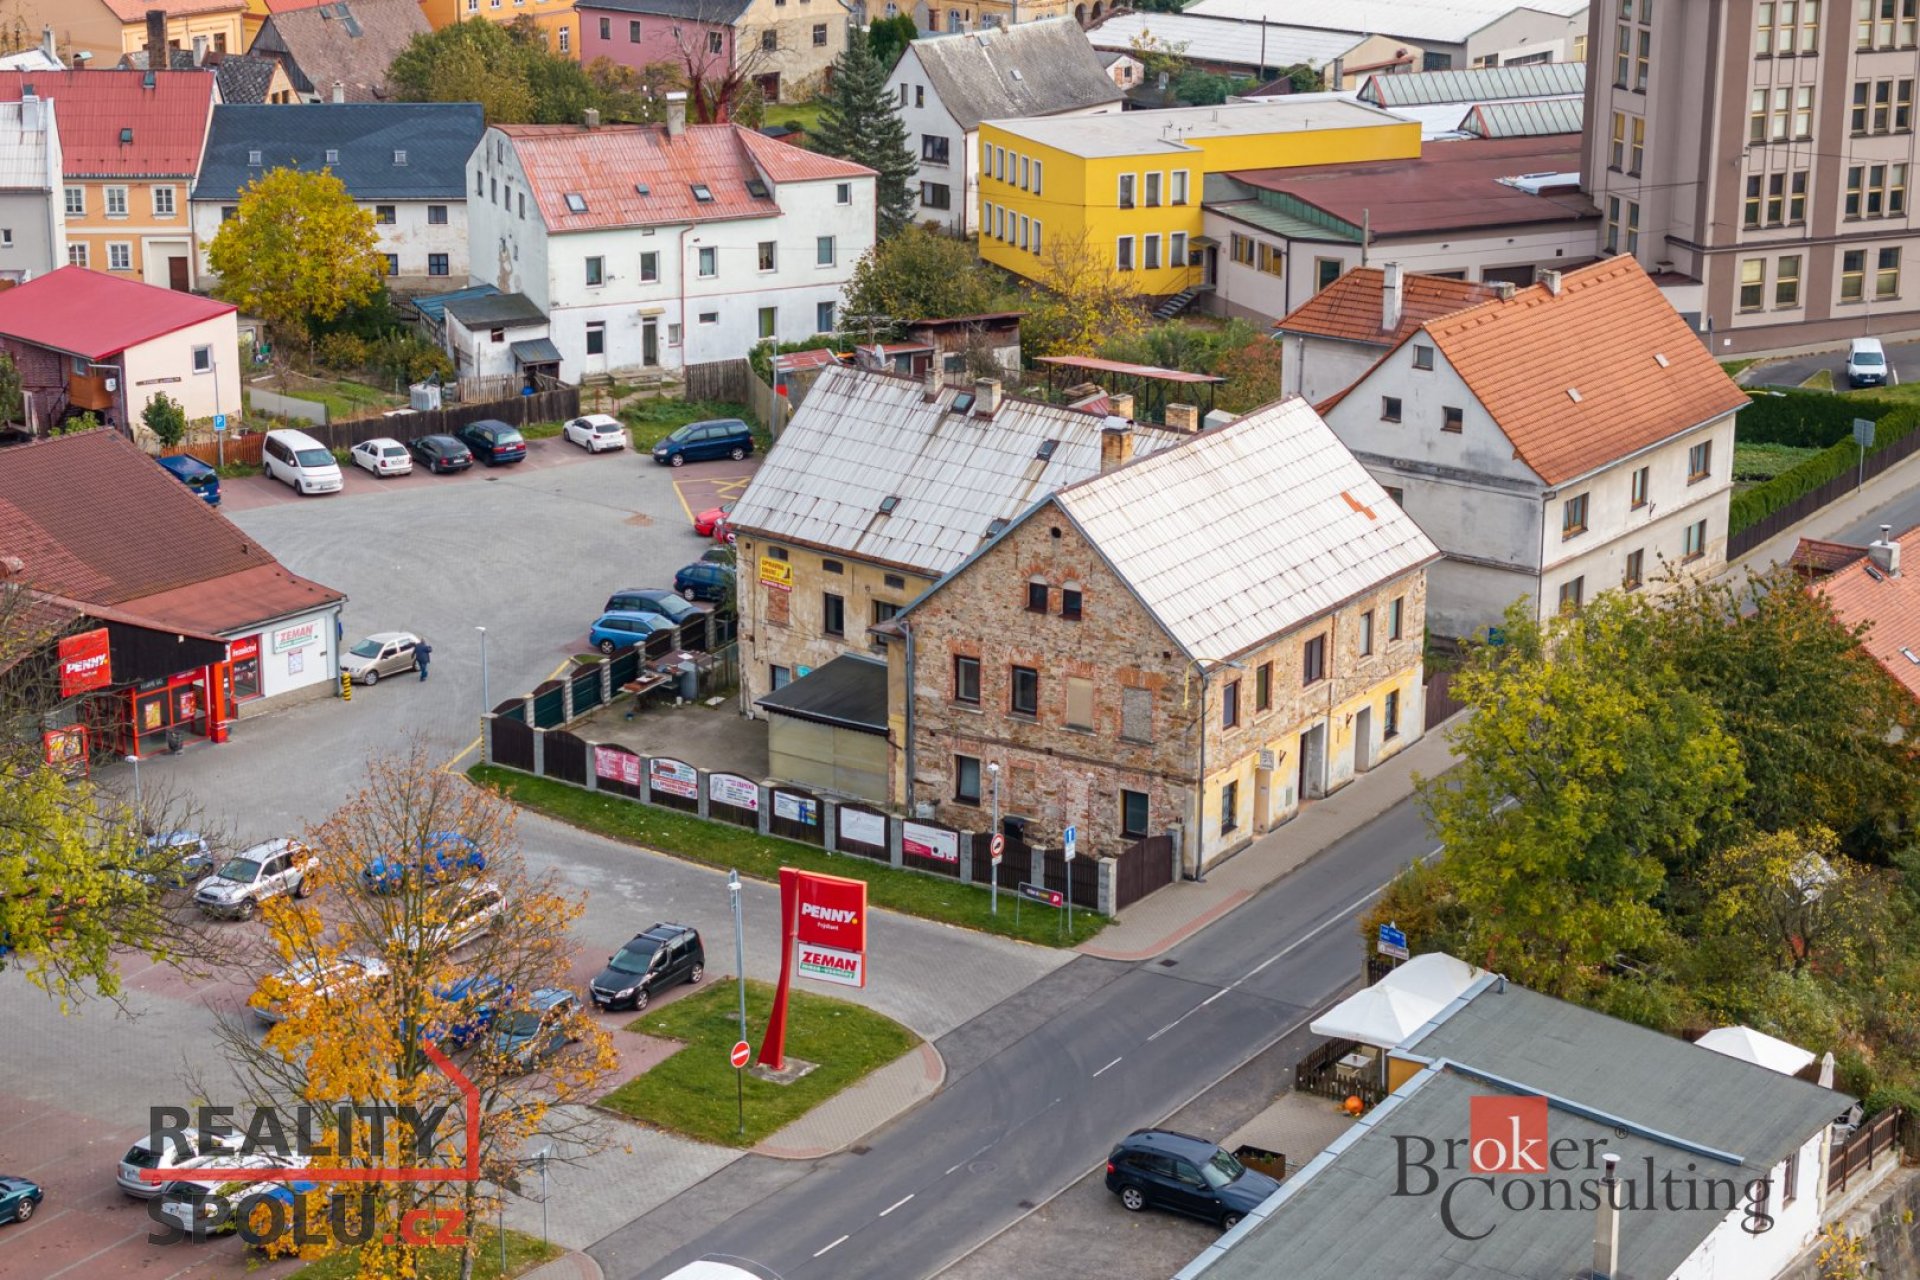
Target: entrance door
1313 772
1262 800
770 86
650 342
1213 265
1363 740
177 274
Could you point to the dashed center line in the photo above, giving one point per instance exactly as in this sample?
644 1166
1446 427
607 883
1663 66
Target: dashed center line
889 1209
835 1245
1103 1070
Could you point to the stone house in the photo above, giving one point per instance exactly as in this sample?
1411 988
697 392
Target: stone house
1203 638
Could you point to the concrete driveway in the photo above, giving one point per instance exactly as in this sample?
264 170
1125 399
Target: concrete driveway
530 552
1903 357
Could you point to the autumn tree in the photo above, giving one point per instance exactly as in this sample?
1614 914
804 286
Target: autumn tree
1085 302
12 404
1588 769
297 249
396 873
920 274
860 121
1789 901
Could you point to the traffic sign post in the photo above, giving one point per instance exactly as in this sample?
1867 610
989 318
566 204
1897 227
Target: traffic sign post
995 847
742 1054
1069 845
1393 942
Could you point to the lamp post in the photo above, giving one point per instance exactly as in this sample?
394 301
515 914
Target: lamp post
134 760
740 971
486 691
1200 825
993 863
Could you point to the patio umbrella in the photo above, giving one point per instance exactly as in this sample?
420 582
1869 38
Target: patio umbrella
1433 976
1380 1015
1756 1047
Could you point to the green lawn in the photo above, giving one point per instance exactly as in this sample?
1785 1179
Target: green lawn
761 857
1753 463
524 1252
1819 380
802 115
1733 367
343 399
693 1091
652 421
542 430
1905 392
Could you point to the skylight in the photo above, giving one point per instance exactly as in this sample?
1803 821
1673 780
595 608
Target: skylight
702 193
1046 449
333 157
996 528
756 188
576 203
642 189
399 156
253 158
126 135
888 503
962 403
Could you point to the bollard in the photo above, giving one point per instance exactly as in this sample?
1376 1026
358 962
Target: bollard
346 685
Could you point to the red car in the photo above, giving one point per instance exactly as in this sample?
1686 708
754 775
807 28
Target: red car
705 522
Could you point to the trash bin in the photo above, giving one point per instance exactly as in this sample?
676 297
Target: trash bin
175 741
689 682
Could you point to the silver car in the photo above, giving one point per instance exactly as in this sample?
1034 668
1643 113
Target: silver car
595 432
263 872
172 1153
465 912
384 653
326 979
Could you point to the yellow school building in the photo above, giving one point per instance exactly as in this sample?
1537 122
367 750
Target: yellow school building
1131 183
555 18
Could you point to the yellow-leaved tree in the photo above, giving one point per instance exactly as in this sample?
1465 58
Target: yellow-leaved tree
297 249
428 930
1086 301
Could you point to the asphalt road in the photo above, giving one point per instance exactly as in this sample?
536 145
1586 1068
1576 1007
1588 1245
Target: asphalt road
1903 356
1102 1048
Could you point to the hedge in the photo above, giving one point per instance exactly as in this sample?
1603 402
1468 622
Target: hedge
1763 500
1805 419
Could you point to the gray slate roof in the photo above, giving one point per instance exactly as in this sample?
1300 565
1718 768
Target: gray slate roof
435 137
716 11
495 310
861 437
849 692
353 42
1033 69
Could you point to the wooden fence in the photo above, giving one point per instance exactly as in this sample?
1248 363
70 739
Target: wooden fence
1441 704
520 411
717 380
1768 526
1143 867
1855 1157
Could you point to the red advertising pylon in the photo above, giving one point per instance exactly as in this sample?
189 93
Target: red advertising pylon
773 1045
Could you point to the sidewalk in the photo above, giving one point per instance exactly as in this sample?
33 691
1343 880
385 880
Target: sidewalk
861 1108
568 1266
1166 917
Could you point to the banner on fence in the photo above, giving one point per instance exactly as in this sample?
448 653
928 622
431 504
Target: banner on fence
867 828
728 788
796 808
936 843
674 778
617 765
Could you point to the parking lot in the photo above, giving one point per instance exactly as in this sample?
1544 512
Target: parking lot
530 552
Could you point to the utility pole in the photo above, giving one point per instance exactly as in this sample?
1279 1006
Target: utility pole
486 692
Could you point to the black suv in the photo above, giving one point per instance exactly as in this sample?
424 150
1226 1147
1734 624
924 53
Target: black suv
657 958
1158 1168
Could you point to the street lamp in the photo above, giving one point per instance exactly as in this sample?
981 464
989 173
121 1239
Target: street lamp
993 771
740 970
1200 826
134 760
486 692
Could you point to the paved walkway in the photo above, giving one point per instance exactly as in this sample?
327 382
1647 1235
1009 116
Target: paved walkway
1163 919
568 1266
855 1112
1298 1125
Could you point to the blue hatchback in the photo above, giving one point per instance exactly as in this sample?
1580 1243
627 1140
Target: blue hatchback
470 1007
703 580
704 441
194 474
444 855
623 629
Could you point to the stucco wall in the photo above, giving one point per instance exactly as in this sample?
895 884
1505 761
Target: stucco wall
166 365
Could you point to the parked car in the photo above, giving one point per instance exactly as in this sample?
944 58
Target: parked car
595 432
194 474
705 580
704 441
328 979
383 457
384 653
723 532
653 960
169 1154
446 855
467 1008
494 442
718 555
441 454
209 1205
19 1197
612 632
463 913
1161 1169
526 1037
175 859
256 875
704 523
1866 363
301 461
653 600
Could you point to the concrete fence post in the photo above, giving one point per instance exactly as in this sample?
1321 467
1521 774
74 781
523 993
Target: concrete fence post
539 753
606 682
646 779
966 857
566 698
1109 886
829 825
700 787
1177 835
764 814
593 773
486 737
526 709
896 841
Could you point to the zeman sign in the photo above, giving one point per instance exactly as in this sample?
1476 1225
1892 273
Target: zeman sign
84 662
823 934
827 964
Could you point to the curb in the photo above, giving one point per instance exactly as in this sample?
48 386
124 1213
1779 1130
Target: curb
932 1065
570 1265
1174 939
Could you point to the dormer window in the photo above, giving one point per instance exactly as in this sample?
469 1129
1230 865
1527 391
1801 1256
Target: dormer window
333 157
702 193
757 189
399 157
576 203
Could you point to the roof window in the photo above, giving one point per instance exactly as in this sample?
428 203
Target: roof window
1573 394
576 203
1660 359
702 193
996 528
253 159
1046 450
642 189
399 156
126 136
962 403
333 157
1910 655
757 189
888 503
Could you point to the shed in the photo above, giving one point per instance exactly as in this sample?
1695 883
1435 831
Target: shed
827 730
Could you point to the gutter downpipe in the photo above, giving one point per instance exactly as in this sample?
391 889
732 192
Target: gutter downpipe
908 790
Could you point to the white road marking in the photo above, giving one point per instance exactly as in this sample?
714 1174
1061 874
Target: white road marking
951 1170
835 1245
1114 1063
884 1212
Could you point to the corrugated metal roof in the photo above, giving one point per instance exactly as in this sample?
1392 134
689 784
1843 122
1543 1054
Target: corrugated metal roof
1477 84
23 152
168 123
1537 119
1244 532
1444 21
1279 221
1033 69
434 305
864 436
1223 39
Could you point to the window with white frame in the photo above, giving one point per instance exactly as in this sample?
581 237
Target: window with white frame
76 202
163 202
120 256
825 252
709 262
116 202
76 255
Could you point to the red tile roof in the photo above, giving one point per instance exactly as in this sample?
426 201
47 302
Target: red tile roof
1641 374
1889 605
1449 186
169 121
136 10
1817 558
92 314
606 166
1349 308
184 567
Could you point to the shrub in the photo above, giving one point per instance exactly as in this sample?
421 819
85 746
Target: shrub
166 419
1806 419
343 352
1888 1096
1763 500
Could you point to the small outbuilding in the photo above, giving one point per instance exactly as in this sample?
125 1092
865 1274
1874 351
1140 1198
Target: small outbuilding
827 730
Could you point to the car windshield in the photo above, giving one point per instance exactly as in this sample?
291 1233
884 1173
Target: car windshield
366 649
1221 1170
314 457
242 870
633 958
520 1024
1869 359
141 1157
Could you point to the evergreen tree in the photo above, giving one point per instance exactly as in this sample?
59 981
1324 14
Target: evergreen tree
860 121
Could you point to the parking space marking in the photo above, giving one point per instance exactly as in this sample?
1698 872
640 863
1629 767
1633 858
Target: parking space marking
681 494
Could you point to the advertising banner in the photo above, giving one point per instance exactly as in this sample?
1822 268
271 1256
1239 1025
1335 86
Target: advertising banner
674 778
777 574
827 964
729 788
617 766
84 663
867 828
936 843
831 911
796 808
823 933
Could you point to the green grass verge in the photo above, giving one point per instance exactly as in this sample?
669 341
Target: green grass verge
1733 367
524 1252
1756 462
800 115
1904 393
720 845
652 421
343 399
543 430
690 1092
1819 380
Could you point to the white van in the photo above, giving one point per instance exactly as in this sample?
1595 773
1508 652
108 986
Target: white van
300 460
1866 363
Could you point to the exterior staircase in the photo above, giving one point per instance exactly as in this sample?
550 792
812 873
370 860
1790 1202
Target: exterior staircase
1179 302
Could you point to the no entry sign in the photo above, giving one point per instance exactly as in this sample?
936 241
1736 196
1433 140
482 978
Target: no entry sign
742 1054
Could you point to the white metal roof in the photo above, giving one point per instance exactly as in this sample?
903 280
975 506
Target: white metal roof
23 152
1127 133
1212 39
1477 84
1442 21
1248 530
862 437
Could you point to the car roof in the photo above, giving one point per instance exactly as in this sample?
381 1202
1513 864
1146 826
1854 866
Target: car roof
1171 1142
382 441
384 636
547 997
184 464
294 439
629 615
645 591
267 848
663 932
441 439
599 419
718 422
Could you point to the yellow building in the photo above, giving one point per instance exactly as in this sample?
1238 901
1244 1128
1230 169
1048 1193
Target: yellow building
554 17
105 29
1130 184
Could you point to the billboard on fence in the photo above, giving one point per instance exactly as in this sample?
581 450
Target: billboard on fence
674 778
935 843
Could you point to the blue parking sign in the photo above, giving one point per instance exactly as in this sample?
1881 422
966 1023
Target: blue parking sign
219 422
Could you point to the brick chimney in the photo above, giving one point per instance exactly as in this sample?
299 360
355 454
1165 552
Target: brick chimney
1551 279
1122 406
1884 552
1390 297
676 113
986 396
931 391
1183 417
156 39
1116 444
